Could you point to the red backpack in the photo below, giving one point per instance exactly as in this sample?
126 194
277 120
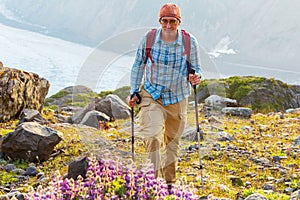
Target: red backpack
186 39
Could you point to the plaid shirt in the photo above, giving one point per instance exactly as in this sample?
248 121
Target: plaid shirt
167 76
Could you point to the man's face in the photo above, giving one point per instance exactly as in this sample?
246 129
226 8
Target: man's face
169 23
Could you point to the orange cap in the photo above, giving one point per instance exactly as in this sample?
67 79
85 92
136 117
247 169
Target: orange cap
170 10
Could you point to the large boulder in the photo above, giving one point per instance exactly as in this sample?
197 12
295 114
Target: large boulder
259 93
20 90
30 141
79 115
218 102
113 106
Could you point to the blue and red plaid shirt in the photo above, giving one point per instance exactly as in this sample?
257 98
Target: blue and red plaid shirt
167 76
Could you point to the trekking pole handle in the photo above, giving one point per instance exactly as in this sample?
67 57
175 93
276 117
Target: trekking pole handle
138 96
193 71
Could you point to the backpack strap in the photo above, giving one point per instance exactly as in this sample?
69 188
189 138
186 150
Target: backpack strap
186 39
149 43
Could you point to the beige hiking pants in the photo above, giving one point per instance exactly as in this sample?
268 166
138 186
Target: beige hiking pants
162 126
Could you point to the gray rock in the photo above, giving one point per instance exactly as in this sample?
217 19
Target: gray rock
288 190
238 111
297 142
295 195
77 167
113 106
79 115
218 102
292 110
30 115
93 117
256 196
9 167
31 141
268 186
223 136
31 171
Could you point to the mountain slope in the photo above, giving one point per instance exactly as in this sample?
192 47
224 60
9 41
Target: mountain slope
261 32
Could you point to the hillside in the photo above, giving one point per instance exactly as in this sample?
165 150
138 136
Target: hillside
256 155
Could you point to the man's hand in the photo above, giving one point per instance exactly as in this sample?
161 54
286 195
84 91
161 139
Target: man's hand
194 79
132 101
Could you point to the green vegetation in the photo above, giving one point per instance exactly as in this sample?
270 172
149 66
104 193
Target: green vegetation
122 92
261 90
60 94
263 141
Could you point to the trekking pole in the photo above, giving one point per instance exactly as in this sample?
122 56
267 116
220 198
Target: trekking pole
199 133
132 133
132 122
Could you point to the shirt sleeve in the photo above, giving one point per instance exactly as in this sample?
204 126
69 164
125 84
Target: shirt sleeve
194 55
137 70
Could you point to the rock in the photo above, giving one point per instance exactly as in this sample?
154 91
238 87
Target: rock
223 136
274 94
295 195
268 186
31 171
75 95
29 115
31 141
79 115
93 117
256 196
258 92
276 159
288 190
218 102
214 87
20 90
293 110
297 142
9 167
236 181
13 195
113 106
78 167
238 111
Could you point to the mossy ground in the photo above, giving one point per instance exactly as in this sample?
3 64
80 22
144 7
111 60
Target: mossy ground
270 136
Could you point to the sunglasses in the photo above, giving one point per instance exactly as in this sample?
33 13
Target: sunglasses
170 21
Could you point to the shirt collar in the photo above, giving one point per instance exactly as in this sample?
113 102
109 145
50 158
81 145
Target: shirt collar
177 42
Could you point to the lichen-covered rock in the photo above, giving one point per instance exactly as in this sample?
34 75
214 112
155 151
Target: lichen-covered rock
238 111
20 90
259 93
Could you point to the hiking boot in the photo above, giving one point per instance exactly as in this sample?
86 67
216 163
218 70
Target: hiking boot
170 189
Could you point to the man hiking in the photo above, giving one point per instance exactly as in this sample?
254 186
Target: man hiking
165 61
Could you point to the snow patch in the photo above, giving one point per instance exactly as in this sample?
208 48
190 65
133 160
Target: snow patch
222 47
